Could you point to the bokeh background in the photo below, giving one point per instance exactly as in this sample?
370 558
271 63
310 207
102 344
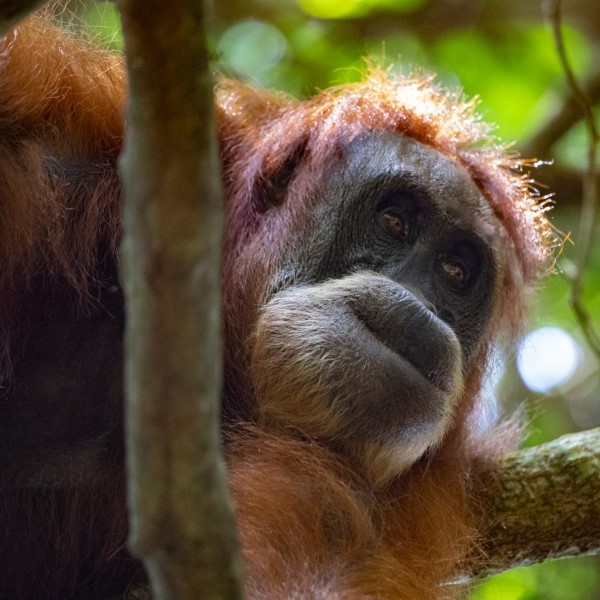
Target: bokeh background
503 52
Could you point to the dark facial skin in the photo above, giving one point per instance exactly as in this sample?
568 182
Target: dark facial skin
394 279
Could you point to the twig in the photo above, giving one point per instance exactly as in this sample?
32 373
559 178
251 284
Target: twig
587 223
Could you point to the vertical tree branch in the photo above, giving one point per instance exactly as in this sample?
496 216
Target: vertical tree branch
181 518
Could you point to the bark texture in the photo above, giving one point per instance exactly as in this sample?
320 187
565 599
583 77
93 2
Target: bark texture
182 523
542 503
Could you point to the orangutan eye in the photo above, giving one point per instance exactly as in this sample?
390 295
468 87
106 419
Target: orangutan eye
395 223
460 265
455 271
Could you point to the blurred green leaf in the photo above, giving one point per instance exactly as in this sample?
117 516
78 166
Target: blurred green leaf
557 580
103 19
339 9
511 70
252 47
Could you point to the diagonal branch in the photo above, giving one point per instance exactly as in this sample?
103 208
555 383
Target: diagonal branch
541 503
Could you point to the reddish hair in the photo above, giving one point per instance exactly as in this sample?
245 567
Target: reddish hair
60 98
312 527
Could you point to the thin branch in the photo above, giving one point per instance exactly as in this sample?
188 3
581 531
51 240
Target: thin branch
181 517
587 225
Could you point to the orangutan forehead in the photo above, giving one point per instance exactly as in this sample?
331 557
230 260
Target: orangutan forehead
383 162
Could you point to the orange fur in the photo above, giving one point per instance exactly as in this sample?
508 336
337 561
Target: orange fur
58 98
309 524
311 527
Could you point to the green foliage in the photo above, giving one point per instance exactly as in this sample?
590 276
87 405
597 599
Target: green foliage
103 20
339 9
572 149
253 46
564 579
511 69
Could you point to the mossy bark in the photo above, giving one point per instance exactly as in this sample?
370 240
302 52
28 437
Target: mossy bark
541 503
